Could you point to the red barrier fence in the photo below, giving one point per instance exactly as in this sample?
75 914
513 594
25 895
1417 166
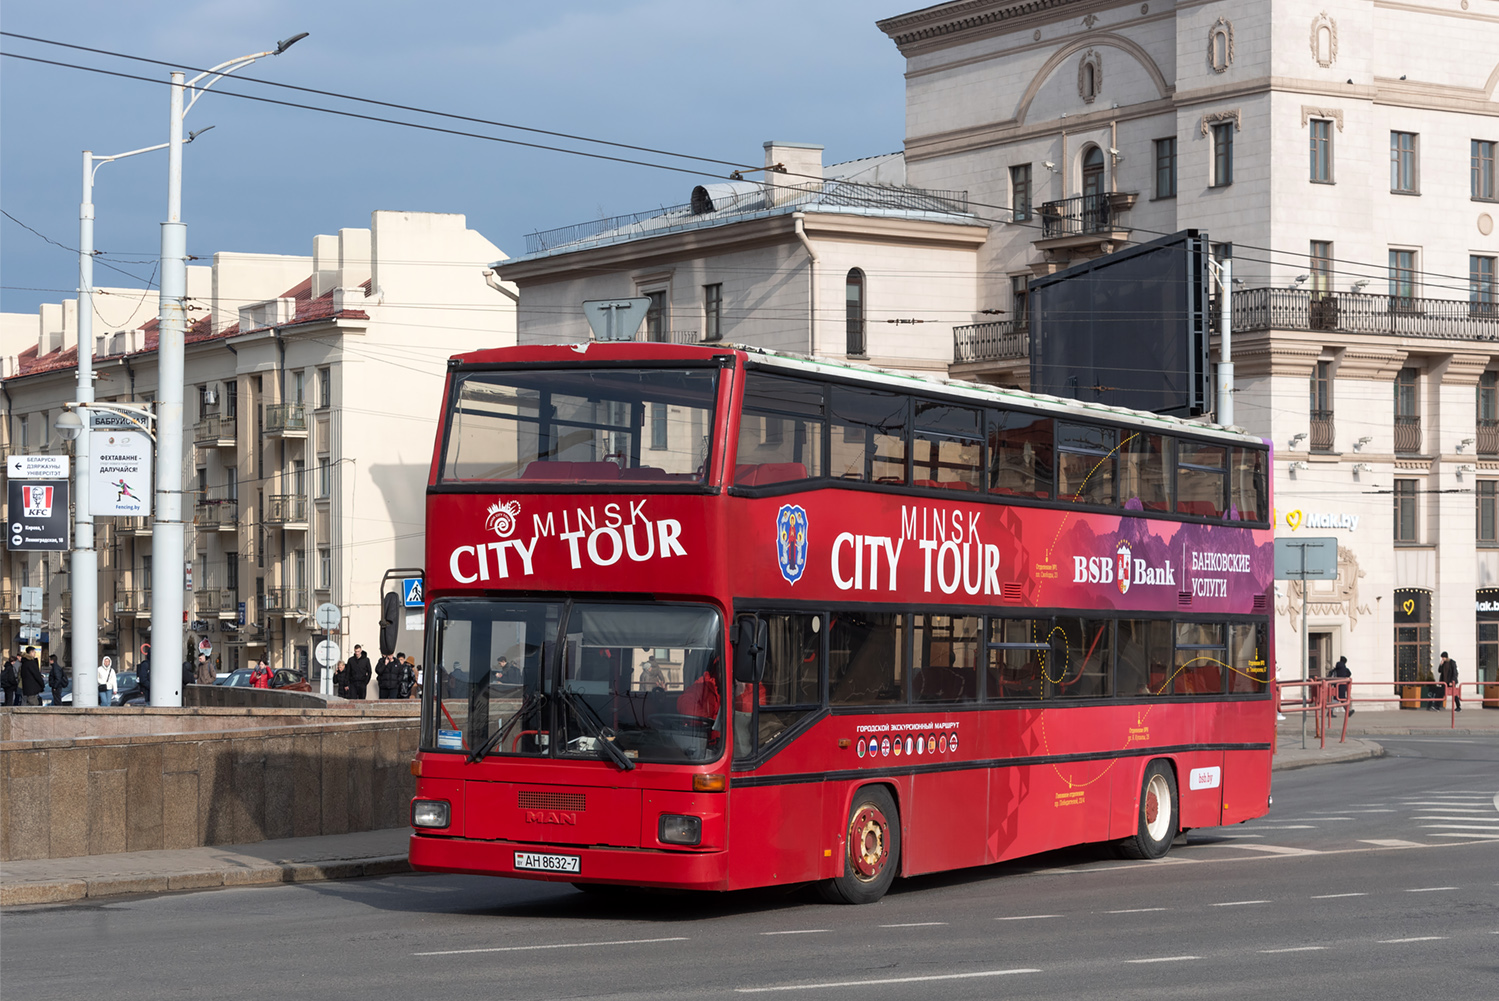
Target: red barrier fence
1323 697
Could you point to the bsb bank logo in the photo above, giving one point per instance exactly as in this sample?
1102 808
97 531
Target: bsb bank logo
791 541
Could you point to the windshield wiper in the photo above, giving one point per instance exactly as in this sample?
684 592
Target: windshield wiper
528 705
603 736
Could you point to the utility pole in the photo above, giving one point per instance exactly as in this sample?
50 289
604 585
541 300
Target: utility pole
85 558
1224 270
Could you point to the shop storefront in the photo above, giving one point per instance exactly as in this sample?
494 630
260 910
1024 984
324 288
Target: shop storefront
1412 645
1487 612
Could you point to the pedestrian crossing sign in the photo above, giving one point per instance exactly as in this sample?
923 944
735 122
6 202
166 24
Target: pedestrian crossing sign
411 590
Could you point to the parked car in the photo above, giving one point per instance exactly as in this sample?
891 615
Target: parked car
235 679
283 678
127 690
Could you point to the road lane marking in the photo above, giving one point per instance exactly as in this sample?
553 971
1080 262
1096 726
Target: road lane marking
1136 910
1427 889
1464 809
1275 849
1284 827
1298 948
553 945
1466 837
886 980
1391 843
1240 903
797 931
1163 959
1487 828
1418 938
917 924
1028 917
1335 896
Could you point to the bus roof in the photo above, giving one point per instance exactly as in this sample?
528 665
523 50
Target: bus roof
804 365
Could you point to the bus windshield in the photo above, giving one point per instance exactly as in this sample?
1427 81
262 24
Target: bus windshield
560 679
580 425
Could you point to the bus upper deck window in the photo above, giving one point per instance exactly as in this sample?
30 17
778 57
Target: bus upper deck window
1201 488
780 431
1020 454
1085 463
947 447
1145 472
868 440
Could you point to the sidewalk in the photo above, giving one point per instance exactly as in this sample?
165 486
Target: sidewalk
1369 724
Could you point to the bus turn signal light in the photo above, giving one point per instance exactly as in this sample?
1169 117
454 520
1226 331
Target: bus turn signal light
416 768
710 783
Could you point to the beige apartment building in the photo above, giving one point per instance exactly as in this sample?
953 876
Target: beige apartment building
1343 154
312 403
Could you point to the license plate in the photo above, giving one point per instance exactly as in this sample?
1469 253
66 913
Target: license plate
547 863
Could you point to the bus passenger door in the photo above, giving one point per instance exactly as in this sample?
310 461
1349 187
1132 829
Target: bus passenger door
1199 781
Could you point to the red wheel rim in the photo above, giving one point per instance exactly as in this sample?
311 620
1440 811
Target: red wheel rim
1152 807
868 842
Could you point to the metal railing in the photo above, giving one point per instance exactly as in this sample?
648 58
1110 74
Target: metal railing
1359 313
285 509
216 512
1322 431
280 600
215 428
1488 436
1408 435
216 601
993 340
789 197
286 418
134 601
1076 216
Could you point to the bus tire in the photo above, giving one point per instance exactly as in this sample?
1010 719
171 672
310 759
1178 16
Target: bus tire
1159 814
872 855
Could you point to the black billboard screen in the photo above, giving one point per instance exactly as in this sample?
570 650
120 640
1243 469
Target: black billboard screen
1129 329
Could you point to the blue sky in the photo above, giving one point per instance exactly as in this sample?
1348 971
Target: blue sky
714 79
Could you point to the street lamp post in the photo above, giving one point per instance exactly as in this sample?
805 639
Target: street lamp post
167 536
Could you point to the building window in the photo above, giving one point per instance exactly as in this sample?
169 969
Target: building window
1484 491
1407 416
658 426
299 564
324 569
1483 169
1223 154
1321 409
1020 300
324 477
23 430
1321 265
1321 150
299 387
1405 510
231 483
145 573
853 290
1404 164
1481 300
1402 278
299 477
655 316
1165 168
1405 393
1488 398
324 388
231 399
1020 192
1095 209
713 312
231 572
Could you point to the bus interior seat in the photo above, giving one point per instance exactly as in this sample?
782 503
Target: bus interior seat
759 474
1203 509
644 473
868 672
561 469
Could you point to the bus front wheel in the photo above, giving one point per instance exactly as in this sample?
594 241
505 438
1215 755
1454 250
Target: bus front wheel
1158 815
873 850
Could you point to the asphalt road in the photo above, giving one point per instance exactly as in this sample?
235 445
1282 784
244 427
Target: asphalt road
1378 879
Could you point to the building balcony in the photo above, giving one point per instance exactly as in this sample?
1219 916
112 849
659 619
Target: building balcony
286 420
1361 313
1407 435
138 525
134 602
1488 436
286 511
9 601
994 340
284 601
1086 225
216 602
215 431
217 513
1322 431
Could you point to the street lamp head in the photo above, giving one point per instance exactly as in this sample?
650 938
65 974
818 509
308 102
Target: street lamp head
287 43
69 425
196 133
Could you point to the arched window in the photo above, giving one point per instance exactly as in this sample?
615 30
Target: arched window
854 311
1095 217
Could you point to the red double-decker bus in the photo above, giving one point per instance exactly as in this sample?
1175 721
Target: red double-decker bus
714 618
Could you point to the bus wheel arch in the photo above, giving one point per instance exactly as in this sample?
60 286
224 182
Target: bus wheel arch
872 847
1157 814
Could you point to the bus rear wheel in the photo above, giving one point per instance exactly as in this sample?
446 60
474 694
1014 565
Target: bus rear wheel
873 850
1158 817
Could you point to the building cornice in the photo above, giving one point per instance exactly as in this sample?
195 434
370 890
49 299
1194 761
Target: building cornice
948 25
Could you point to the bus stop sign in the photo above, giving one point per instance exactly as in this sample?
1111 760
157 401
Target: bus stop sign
1306 559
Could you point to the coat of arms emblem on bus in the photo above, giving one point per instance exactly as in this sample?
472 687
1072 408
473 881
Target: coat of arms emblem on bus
791 541
501 518
1124 553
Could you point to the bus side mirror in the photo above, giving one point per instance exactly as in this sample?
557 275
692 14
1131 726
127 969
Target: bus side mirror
749 650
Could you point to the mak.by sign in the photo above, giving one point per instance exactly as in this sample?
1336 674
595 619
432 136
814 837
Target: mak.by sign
1298 519
120 481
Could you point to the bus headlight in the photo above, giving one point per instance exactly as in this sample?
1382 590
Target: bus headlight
678 830
430 813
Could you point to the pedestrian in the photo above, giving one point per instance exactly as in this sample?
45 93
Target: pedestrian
10 681
359 672
341 680
261 676
414 690
1447 675
387 675
1340 690
506 673
32 681
189 672
204 673
107 682
407 679
143 672
652 678
57 679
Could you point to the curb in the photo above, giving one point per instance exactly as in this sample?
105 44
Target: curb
55 891
1371 750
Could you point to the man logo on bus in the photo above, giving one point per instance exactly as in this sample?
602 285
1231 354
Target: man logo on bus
791 541
1123 554
501 518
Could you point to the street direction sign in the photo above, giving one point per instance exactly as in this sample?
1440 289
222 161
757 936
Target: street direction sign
616 319
328 616
411 592
31 599
413 622
37 467
1306 559
327 653
36 518
31 618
